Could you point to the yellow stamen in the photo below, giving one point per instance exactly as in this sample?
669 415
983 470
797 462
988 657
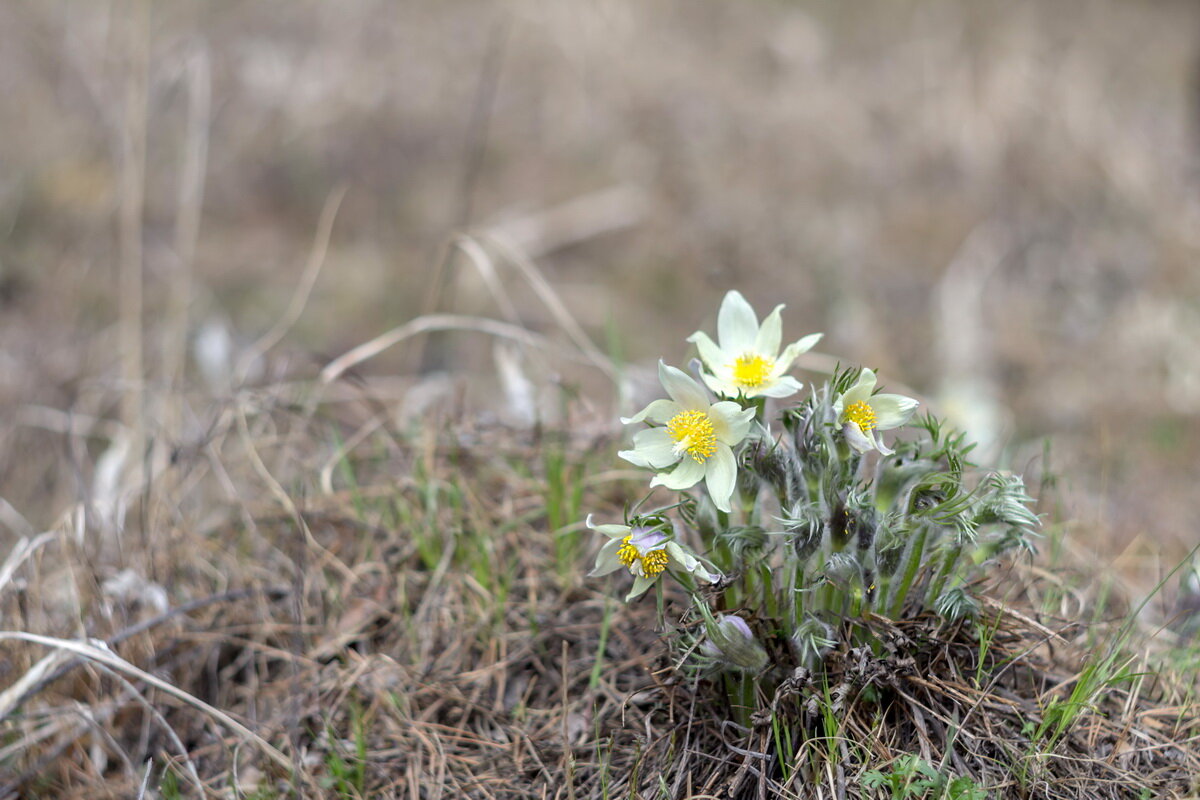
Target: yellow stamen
627 553
861 414
751 370
693 431
652 563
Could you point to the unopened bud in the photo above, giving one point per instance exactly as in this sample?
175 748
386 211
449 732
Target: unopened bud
806 530
775 464
811 640
731 642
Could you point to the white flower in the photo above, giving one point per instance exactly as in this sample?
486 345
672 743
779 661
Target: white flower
645 552
863 415
747 362
698 436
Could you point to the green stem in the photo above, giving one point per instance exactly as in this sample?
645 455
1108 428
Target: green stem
951 558
769 596
910 572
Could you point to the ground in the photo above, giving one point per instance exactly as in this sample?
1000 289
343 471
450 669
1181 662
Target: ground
204 205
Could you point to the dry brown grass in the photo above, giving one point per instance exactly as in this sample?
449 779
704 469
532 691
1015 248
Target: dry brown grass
994 202
414 621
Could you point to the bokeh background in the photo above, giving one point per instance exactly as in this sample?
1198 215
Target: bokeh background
995 203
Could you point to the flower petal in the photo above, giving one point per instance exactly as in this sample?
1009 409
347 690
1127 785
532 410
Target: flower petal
766 343
685 476
606 560
892 410
737 326
710 354
730 421
861 390
610 530
691 563
721 475
647 539
720 386
883 449
640 585
682 557
856 438
683 390
659 412
784 362
784 386
652 447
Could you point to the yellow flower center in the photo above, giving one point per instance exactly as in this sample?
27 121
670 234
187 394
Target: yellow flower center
861 414
652 563
752 370
694 434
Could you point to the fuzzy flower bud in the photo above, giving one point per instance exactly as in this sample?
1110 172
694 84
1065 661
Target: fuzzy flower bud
775 464
731 642
806 531
811 640
861 522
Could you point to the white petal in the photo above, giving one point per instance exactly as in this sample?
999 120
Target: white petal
683 390
861 390
606 560
784 362
710 354
682 557
784 386
892 410
719 386
685 476
659 412
720 476
730 421
652 447
737 326
640 585
609 530
766 343
881 447
856 438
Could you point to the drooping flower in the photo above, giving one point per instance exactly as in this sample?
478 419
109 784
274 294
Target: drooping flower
646 551
747 362
696 438
731 642
863 415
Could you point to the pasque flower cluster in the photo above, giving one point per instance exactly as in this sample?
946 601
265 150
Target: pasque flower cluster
793 509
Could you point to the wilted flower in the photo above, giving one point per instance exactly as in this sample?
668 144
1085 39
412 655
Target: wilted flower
646 552
697 435
747 362
731 642
863 415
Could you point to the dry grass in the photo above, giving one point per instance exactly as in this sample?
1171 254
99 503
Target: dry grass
265 571
412 633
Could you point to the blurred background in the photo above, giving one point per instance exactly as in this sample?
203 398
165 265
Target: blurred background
997 204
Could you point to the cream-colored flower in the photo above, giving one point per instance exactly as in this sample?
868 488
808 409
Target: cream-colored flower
863 415
696 440
747 362
646 552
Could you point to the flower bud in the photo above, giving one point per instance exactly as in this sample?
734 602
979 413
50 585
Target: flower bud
811 640
806 531
861 522
731 642
775 464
